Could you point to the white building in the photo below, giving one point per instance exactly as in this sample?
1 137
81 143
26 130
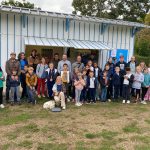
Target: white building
23 29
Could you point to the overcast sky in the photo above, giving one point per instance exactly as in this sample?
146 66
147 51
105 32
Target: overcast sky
53 5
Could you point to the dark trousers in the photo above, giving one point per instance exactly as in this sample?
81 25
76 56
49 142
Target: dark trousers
31 95
1 95
24 87
7 88
109 91
91 92
121 87
116 91
103 94
66 85
126 92
84 95
49 87
144 91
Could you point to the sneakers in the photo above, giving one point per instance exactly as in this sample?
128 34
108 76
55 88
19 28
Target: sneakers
109 100
78 104
64 108
143 102
43 95
128 101
2 106
68 100
124 101
39 96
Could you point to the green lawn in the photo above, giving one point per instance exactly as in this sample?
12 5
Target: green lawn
110 126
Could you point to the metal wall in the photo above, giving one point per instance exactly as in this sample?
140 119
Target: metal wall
13 28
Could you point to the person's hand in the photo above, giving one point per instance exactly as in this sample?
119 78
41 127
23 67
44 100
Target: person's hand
16 78
51 80
22 71
33 88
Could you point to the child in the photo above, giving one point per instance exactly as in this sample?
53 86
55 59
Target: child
31 81
65 75
79 84
58 90
84 91
145 84
97 72
138 79
23 82
127 84
2 78
104 85
14 87
51 75
41 74
116 80
91 87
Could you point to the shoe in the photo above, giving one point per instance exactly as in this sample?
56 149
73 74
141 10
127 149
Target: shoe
12 103
2 106
124 101
64 108
39 96
68 100
128 102
143 102
43 95
77 104
19 103
109 100
80 104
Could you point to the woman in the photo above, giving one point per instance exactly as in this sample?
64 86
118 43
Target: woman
41 74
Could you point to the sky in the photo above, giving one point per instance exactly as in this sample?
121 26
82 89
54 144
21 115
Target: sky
53 5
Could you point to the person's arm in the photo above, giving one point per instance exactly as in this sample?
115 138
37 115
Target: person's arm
76 83
27 80
59 67
7 68
69 65
141 79
35 83
68 76
83 83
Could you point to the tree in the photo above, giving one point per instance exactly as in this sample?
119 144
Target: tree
18 4
130 10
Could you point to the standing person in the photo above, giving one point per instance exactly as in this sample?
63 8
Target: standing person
127 84
132 64
33 59
62 62
90 64
138 79
23 66
31 81
51 75
104 81
142 65
79 85
111 64
116 82
91 86
145 84
97 73
56 60
14 87
2 78
41 74
11 64
78 64
122 65
58 90
65 75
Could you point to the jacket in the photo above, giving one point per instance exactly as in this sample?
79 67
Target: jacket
14 82
88 82
102 82
99 72
31 80
40 71
146 81
116 79
122 66
51 75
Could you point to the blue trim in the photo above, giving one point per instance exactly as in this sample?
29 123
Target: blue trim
121 37
108 34
84 30
125 38
52 28
24 20
103 27
79 30
67 24
14 33
27 25
57 28
63 28
74 28
0 40
113 37
94 32
129 43
46 28
7 35
99 32
117 37
40 27
21 32
34 26
89 31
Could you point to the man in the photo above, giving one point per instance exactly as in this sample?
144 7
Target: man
122 65
132 64
78 64
56 60
62 62
11 64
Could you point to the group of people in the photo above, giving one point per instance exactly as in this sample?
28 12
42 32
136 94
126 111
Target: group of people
79 82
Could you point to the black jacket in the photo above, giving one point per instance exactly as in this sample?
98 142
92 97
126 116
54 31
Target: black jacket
116 80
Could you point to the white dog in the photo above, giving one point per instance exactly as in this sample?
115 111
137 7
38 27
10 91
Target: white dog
49 105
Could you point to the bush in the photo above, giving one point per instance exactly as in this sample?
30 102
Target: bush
142 58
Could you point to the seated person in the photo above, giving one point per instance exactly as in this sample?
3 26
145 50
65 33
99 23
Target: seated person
58 90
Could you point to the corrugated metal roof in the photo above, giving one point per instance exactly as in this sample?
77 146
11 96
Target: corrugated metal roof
88 45
71 16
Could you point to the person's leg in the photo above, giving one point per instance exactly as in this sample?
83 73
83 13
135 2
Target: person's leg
18 94
102 94
93 95
50 86
43 87
105 94
144 91
62 99
1 95
128 93
77 96
67 90
39 86
7 88
12 93
28 93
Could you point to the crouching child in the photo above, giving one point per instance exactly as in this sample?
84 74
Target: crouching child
58 92
31 81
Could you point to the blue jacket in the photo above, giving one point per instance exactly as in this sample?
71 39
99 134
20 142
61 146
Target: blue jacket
116 80
88 82
146 80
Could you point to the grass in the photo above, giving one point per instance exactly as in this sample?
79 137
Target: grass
110 126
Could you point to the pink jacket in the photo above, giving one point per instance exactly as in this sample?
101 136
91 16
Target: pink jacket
79 84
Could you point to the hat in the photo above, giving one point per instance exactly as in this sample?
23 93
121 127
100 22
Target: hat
12 53
127 68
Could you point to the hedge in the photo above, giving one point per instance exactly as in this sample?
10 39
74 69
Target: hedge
142 58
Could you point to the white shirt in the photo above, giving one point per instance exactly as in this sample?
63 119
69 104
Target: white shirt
96 72
126 81
92 85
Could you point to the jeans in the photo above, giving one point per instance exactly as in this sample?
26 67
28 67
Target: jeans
49 87
41 84
126 92
77 95
97 88
84 95
7 87
13 91
31 95
116 91
91 92
103 94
